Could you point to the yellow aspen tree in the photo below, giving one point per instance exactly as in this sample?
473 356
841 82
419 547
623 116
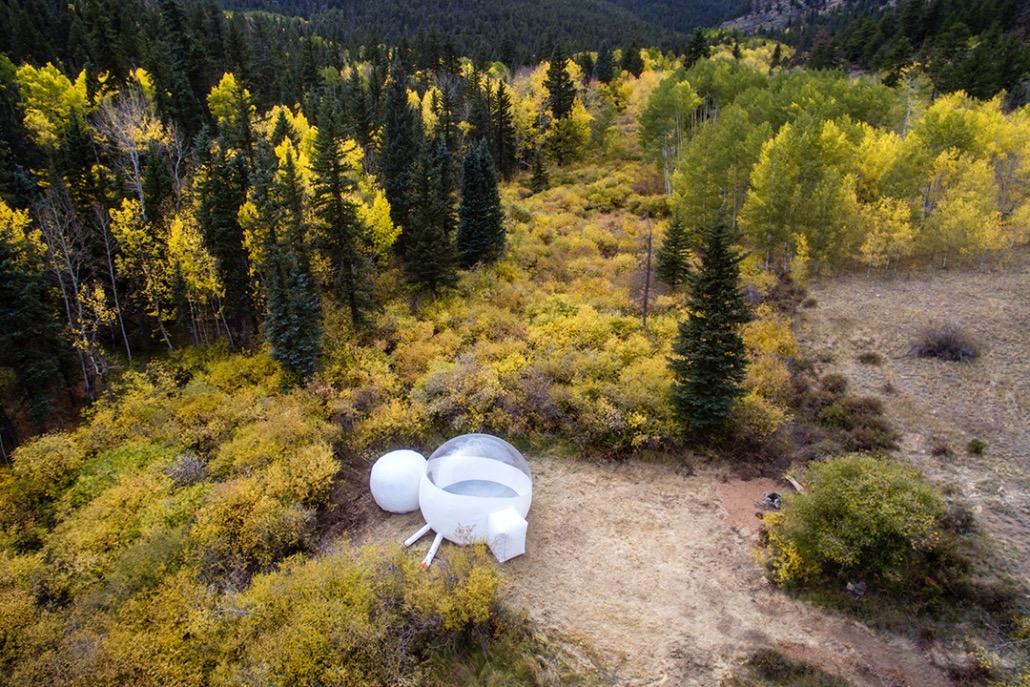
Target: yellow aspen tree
144 260
888 233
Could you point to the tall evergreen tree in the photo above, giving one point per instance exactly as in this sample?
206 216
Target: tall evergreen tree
560 89
402 134
481 234
29 332
222 190
339 233
632 62
603 71
539 181
292 313
708 359
431 259
672 265
697 49
504 133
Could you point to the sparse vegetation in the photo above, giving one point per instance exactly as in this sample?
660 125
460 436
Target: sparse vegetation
870 358
771 668
946 341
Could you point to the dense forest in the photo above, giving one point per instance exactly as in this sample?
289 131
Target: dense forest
241 254
979 47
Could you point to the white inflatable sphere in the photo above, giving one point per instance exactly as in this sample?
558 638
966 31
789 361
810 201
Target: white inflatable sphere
395 480
469 478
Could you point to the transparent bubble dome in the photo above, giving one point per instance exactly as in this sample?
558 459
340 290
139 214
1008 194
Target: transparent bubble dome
467 479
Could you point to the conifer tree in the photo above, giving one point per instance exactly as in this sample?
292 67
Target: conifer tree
672 264
339 235
431 261
603 67
29 332
222 190
480 217
293 313
697 49
632 62
504 133
292 317
708 360
561 91
539 181
402 134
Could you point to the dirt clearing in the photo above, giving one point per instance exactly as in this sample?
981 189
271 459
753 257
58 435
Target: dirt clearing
939 406
648 579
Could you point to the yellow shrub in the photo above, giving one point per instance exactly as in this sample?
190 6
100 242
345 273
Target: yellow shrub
241 525
43 468
757 417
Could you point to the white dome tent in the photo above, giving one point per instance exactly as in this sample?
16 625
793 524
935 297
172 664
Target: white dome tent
475 488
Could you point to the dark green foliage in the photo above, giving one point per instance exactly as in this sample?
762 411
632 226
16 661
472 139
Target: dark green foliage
222 190
292 322
539 180
825 53
697 50
560 89
503 132
481 235
339 234
603 71
431 261
632 62
672 259
709 358
29 333
402 136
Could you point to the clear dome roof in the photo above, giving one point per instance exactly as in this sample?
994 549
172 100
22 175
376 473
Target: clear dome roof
483 446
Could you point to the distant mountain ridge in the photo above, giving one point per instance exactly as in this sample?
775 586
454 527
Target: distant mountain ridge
526 26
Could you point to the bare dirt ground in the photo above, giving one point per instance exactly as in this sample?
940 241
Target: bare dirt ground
649 577
940 406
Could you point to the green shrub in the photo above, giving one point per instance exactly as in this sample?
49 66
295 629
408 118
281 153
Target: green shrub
863 518
976 447
834 415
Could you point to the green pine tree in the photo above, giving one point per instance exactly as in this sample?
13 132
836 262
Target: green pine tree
560 89
697 50
481 234
402 138
632 62
431 260
339 234
504 133
539 180
708 359
222 188
603 68
672 258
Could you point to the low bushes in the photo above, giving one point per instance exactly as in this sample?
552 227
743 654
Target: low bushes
863 519
946 341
